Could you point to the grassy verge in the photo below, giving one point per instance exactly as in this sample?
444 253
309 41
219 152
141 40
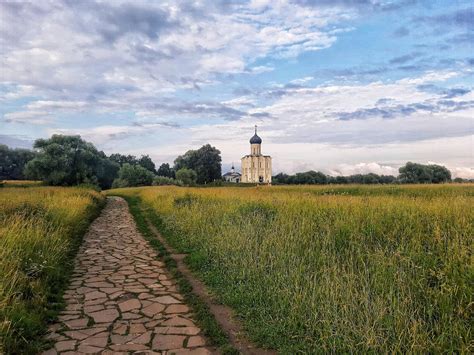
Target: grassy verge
203 316
41 229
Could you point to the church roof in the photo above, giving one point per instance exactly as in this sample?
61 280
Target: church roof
232 174
255 139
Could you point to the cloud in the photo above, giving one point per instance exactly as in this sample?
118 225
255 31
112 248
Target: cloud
364 168
463 18
16 141
92 51
360 5
31 117
462 172
405 58
401 32
109 133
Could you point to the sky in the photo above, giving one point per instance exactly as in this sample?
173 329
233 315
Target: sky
339 86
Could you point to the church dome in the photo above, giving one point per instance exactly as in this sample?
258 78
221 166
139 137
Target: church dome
255 139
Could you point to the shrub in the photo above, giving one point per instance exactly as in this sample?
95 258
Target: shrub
187 176
164 180
133 175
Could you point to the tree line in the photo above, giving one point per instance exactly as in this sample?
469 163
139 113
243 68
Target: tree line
410 173
69 160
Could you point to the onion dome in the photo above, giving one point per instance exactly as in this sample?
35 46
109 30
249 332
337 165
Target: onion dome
255 139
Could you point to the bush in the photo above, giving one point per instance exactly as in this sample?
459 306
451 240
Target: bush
187 176
133 175
164 180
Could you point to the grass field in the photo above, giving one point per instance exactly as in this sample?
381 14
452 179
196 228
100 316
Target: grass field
40 227
340 269
20 183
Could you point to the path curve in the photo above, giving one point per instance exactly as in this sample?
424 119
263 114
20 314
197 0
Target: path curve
121 300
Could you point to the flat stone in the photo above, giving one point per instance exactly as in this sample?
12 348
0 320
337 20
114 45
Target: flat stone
65 345
90 349
195 351
99 340
91 309
128 347
177 308
196 341
178 321
143 338
122 339
129 315
177 330
68 317
137 329
168 342
166 300
120 329
94 295
129 305
75 334
153 309
107 315
76 323
99 284
144 296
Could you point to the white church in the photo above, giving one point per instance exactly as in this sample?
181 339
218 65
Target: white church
255 168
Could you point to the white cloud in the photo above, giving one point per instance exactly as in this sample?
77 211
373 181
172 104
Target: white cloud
31 117
363 168
126 49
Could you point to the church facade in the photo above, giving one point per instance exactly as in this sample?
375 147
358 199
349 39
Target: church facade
256 167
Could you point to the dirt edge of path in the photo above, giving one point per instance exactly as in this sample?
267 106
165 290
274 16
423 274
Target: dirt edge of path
224 315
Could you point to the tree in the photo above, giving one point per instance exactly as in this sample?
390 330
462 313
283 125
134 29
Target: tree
187 176
133 175
280 178
64 160
440 174
146 162
107 171
309 177
165 170
123 159
413 173
206 162
13 161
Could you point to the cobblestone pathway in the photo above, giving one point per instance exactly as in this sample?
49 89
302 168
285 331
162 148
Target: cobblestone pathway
121 299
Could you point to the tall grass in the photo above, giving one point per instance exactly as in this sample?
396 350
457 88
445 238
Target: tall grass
340 269
39 226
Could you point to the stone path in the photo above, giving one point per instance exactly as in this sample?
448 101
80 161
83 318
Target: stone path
121 300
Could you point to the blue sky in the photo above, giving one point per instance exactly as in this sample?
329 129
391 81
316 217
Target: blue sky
342 86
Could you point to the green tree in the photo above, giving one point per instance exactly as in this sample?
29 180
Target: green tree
146 162
133 175
123 159
413 173
13 161
165 170
206 162
64 160
187 176
107 171
439 174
